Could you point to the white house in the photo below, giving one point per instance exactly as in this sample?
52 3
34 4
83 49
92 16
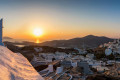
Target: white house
38 49
91 56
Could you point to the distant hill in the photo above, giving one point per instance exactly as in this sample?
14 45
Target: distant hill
7 38
87 41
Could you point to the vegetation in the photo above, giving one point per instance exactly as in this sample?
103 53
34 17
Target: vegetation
101 77
100 55
110 57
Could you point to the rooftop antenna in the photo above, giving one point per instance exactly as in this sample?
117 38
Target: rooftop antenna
1 27
83 45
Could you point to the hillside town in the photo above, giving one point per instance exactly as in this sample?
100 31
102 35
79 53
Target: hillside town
74 63
64 63
77 66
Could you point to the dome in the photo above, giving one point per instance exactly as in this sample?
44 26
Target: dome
108 51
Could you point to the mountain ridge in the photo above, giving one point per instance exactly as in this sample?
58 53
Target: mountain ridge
88 41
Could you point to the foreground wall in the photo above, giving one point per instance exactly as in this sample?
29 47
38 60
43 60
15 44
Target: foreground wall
13 66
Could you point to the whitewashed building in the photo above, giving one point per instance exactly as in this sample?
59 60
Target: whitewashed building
1 27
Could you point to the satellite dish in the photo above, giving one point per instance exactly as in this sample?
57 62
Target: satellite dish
108 52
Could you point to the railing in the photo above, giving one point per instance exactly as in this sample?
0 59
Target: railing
61 75
52 77
46 74
44 70
70 77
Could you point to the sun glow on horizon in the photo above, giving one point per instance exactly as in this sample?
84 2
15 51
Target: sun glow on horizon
37 32
37 41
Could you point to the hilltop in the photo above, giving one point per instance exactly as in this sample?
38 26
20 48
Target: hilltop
87 41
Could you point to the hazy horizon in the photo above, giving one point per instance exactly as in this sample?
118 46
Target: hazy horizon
61 19
20 40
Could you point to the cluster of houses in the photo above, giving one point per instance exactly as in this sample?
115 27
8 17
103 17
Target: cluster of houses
68 61
87 63
112 47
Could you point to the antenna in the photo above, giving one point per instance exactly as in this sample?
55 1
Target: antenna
83 45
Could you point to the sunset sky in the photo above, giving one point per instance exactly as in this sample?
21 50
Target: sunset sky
60 19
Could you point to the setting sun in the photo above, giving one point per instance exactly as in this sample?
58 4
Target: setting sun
38 32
